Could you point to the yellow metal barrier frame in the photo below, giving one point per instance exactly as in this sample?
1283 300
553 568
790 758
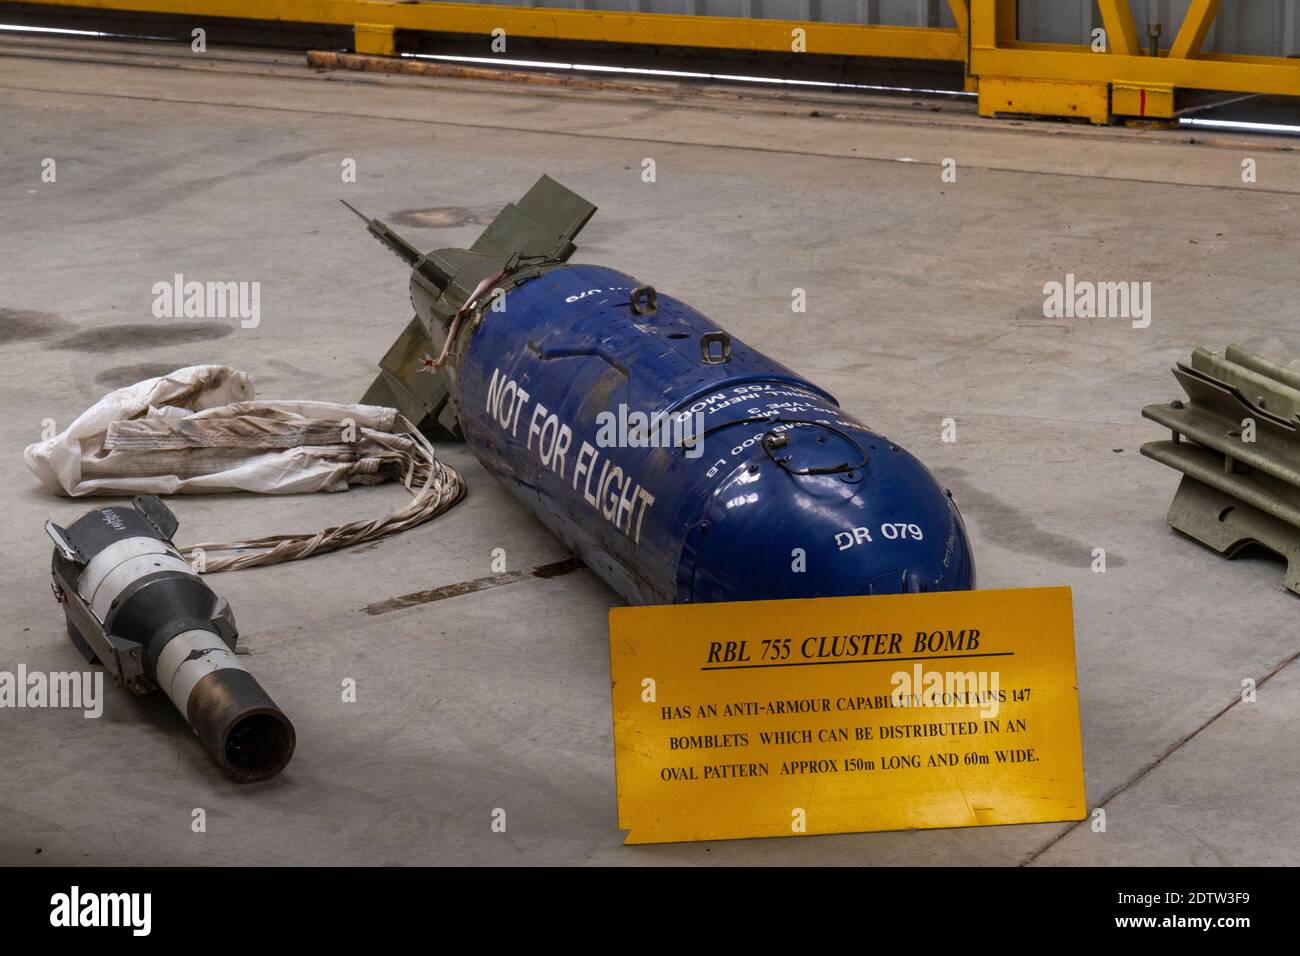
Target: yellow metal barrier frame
373 20
1068 80
1011 77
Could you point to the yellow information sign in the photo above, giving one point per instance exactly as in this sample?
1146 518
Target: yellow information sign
832 715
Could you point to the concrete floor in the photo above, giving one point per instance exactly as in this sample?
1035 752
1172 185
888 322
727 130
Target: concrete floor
925 302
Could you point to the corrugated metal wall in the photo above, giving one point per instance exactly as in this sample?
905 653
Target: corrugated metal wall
914 13
1265 27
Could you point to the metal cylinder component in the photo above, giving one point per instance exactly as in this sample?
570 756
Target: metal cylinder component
134 605
236 720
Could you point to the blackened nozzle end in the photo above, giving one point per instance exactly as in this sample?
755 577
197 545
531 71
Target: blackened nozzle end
240 725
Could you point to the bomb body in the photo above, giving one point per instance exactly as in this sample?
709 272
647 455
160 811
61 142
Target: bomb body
679 463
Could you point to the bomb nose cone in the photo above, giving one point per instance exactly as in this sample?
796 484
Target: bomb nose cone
828 512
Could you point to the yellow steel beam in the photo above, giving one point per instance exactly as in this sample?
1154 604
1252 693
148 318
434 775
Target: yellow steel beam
732 33
1195 26
960 13
1121 34
374 39
1000 94
983 24
1149 101
992 23
1210 71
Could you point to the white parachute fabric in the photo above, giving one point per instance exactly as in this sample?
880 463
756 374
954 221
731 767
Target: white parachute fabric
200 430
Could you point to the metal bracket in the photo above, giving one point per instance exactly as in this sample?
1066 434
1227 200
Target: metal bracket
708 340
644 300
124 660
1241 456
850 470
1225 525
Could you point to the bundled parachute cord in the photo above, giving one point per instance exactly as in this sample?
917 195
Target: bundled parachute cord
434 487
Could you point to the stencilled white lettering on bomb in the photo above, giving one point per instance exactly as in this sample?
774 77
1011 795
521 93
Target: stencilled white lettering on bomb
600 482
